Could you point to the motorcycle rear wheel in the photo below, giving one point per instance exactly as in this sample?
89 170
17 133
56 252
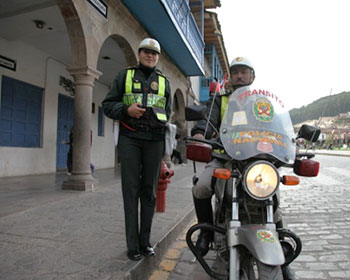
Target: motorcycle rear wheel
252 269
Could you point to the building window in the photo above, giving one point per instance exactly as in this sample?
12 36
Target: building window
20 114
101 122
206 82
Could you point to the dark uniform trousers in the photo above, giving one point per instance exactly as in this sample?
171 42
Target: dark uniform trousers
140 165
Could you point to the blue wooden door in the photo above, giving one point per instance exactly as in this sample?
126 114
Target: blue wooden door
20 114
65 120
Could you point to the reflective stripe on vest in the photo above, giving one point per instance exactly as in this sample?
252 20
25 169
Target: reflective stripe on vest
161 86
128 81
153 100
224 104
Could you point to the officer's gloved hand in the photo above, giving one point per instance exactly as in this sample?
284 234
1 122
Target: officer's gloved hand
199 136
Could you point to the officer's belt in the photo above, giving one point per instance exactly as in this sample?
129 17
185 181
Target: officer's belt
142 127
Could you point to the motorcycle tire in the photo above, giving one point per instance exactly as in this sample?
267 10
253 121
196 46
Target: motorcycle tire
252 269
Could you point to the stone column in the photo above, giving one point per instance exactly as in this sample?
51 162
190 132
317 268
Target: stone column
81 178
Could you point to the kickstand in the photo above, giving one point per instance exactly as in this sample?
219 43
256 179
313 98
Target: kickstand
194 178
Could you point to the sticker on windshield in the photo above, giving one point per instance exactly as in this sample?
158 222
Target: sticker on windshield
263 110
254 136
239 118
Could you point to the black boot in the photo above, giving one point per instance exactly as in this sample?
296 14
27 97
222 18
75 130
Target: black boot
288 273
204 214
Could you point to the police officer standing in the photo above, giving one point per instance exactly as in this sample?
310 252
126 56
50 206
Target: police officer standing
140 99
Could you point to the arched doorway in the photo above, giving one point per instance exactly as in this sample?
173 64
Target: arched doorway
115 55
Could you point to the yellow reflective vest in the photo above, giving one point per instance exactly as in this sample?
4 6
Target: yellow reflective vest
156 101
224 104
223 108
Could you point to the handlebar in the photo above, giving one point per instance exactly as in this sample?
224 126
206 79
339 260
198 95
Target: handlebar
307 155
215 144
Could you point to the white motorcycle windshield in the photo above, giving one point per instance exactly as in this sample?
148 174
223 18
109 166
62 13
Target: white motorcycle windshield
256 122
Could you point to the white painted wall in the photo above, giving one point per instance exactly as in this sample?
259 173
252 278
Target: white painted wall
38 68
103 148
195 86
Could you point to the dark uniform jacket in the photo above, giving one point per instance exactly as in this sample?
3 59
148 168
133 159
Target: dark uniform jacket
147 127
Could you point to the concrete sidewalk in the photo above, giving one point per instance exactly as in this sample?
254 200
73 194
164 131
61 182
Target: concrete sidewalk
47 233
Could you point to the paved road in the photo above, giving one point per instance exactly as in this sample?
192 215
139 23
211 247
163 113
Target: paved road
318 210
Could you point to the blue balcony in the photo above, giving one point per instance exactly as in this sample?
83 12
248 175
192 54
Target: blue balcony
172 24
216 72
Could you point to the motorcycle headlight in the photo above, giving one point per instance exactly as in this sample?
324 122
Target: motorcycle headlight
261 180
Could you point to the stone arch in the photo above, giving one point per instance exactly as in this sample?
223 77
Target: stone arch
114 55
75 31
88 34
127 49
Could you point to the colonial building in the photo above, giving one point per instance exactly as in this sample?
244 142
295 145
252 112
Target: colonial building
58 60
335 131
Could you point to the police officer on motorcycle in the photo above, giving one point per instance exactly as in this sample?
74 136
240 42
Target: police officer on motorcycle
241 74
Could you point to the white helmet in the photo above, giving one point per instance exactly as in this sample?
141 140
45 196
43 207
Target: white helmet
150 44
241 61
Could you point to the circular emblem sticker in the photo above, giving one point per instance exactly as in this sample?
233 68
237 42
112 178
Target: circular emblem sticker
263 110
154 85
152 42
265 235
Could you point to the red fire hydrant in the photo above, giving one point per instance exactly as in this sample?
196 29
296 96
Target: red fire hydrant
164 180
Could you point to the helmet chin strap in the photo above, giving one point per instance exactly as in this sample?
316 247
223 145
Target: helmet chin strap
252 76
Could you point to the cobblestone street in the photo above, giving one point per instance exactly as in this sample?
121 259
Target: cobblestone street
318 210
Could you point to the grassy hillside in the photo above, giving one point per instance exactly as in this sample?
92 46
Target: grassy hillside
329 106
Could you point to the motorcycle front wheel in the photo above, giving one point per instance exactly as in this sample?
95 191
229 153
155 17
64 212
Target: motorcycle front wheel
252 269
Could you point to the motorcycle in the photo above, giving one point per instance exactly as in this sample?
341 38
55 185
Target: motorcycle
255 140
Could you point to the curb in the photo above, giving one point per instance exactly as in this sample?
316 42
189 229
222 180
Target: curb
146 266
329 153
332 154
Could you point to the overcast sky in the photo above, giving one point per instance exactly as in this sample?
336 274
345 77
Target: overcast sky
300 48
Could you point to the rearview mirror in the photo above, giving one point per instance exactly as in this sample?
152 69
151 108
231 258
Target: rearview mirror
195 112
308 132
